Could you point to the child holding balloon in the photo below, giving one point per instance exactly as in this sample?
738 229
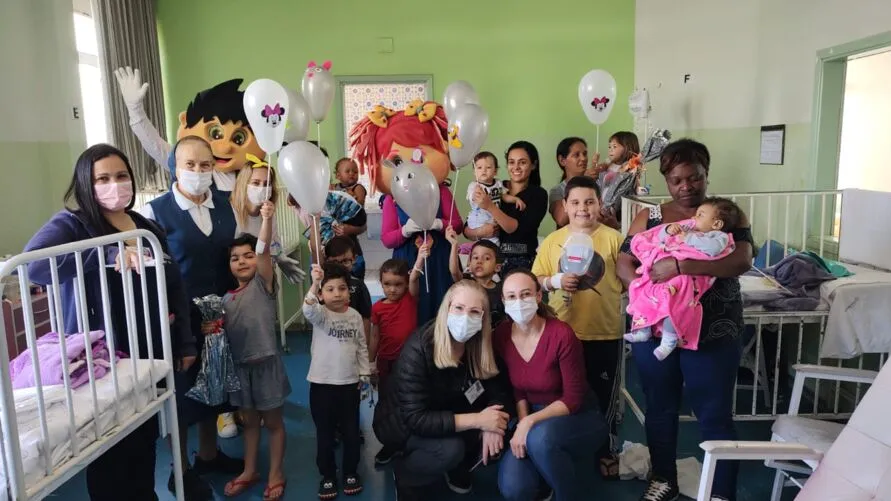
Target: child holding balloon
589 302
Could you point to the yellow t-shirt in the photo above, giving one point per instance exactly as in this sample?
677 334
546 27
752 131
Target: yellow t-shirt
594 314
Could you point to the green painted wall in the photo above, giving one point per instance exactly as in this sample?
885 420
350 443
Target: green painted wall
524 58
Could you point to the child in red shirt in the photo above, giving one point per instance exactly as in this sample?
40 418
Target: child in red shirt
393 319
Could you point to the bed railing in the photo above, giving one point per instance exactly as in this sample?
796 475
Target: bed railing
796 221
74 261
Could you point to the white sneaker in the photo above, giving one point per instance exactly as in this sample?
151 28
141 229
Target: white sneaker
226 427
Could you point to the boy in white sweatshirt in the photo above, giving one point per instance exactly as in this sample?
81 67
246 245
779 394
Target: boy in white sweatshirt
338 366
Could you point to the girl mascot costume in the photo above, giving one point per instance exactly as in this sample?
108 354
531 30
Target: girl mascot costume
418 133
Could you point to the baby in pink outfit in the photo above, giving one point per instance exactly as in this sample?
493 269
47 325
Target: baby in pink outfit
673 306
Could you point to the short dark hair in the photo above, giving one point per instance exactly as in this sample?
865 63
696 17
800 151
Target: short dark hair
684 151
728 212
486 154
223 101
80 197
334 271
581 182
488 244
395 266
243 239
339 246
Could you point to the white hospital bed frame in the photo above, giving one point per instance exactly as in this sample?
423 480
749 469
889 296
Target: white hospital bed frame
160 401
764 218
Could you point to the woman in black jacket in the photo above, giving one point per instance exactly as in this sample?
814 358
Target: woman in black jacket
443 407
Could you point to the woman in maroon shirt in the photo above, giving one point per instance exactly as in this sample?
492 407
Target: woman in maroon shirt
558 417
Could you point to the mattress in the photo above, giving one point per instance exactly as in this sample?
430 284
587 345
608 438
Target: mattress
759 286
31 441
858 314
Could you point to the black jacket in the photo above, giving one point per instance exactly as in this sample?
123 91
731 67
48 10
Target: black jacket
422 400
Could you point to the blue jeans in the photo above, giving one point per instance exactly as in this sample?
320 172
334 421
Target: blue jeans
553 448
707 376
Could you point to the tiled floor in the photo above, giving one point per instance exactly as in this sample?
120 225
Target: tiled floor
755 479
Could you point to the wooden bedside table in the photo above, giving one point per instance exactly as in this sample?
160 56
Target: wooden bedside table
13 318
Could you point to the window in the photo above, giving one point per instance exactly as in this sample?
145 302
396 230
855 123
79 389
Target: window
90 79
360 98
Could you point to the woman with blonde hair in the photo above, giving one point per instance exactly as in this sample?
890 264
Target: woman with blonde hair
444 407
254 185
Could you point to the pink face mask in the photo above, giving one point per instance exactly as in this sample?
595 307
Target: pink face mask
114 196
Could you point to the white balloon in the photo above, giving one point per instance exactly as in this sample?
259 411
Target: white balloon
456 94
468 130
266 106
299 117
304 170
318 89
415 191
597 95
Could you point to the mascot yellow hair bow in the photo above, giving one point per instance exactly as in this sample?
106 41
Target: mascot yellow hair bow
424 110
380 115
256 163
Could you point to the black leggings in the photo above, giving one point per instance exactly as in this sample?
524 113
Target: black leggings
602 362
335 407
127 470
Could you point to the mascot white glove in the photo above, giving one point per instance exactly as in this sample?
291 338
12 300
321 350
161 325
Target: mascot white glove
133 90
409 228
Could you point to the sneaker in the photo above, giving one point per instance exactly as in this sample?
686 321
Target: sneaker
545 493
460 481
660 490
352 484
328 488
384 456
226 427
220 464
405 493
194 487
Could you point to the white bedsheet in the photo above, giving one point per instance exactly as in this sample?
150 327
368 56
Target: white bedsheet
860 314
755 285
30 436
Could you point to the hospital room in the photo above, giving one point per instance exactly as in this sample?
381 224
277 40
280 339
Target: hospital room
399 251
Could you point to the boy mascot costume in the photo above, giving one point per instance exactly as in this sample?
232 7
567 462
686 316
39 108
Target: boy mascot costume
216 114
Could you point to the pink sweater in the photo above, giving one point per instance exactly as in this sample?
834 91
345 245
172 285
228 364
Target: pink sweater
391 230
678 299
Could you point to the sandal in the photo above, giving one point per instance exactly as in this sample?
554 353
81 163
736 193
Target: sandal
236 487
267 496
609 467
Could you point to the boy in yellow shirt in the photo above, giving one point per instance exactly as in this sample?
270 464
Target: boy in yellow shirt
590 303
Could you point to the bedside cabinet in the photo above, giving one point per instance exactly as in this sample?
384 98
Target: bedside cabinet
13 318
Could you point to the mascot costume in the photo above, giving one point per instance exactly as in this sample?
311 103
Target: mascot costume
420 132
216 115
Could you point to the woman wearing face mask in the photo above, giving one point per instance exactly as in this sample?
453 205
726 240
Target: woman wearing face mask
200 226
102 191
558 417
254 185
444 406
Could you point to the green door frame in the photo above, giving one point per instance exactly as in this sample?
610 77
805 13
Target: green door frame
342 81
826 112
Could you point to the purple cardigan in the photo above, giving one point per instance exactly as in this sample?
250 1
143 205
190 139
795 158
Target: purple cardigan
66 227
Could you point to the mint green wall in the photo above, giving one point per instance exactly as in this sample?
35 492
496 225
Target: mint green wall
524 58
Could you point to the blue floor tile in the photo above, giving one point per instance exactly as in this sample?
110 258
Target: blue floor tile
755 479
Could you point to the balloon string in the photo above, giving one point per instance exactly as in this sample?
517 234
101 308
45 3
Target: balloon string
272 158
319 133
315 224
598 140
426 277
454 188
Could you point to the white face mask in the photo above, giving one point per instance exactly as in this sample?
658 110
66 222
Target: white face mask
464 327
521 311
194 183
257 194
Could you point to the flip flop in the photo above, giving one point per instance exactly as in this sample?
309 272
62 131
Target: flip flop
237 487
272 487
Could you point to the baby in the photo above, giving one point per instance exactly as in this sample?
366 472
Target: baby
485 165
674 305
347 173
